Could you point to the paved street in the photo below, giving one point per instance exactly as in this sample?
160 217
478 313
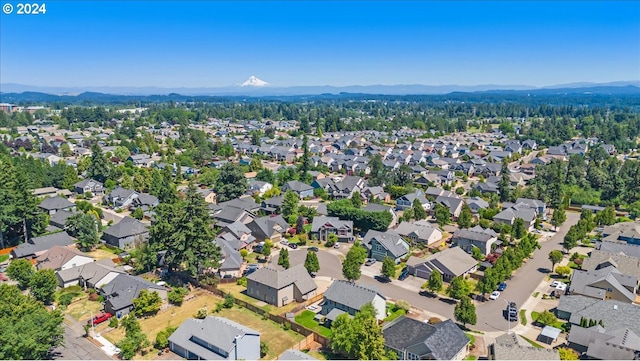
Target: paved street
76 346
524 281
520 287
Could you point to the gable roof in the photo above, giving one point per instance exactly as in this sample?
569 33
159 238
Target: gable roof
55 203
296 186
121 291
292 355
422 231
473 235
278 278
350 294
441 341
611 312
320 221
582 282
390 240
619 247
267 225
57 256
455 260
126 227
92 272
514 347
217 331
627 265
42 243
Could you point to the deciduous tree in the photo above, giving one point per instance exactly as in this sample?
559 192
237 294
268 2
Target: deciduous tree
434 284
458 288
465 311
388 267
43 284
555 257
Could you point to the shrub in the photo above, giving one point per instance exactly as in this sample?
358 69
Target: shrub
65 299
244 253
219 307
242 281
403 305
434 320
202 313
176 296
228 301
113 322
264 349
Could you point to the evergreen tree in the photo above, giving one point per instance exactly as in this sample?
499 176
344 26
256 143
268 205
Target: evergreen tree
85 228
184 230
518 230
283 259
503 185
418 212
465 217
304 166
388 267
290 204
434 284
99 165
8 216
231 184
311 263
377 173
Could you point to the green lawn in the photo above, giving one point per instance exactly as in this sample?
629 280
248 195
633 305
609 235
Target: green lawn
305 318
523 317
471 357
4 257
395 312
472 338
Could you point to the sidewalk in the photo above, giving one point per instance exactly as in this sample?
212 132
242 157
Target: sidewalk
107 347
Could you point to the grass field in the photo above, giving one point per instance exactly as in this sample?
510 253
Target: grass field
81 310
100 253
305 318
237 292
273 334
535 315
532 343
472 338
523 317
395 312
4 257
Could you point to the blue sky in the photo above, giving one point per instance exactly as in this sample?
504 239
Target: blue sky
216 43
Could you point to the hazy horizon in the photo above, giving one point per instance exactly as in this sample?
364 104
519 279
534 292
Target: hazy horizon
215 44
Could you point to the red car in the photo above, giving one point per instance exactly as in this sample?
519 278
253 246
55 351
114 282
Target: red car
100 318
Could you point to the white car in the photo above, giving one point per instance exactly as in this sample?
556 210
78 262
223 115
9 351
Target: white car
494 295
285 242
561 287
556 283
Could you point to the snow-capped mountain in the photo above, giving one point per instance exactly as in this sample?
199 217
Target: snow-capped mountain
253 81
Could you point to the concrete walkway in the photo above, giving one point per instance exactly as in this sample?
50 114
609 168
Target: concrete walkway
107 347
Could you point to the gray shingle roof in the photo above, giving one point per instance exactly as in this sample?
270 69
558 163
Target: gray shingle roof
631 250
455 259
513 347
42 243
441 341
124 288
391 241
278 278
590 283
55 203
603 350
126 227
350 294
627 265
217 331
295 355
611 312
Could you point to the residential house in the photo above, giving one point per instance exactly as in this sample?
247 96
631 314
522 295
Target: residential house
420 233
406 201
301 189
509 215
615 246
322 227
626 231
512 346
215 338
59 219
622 258
385 244
46 192
126 233
605 283
450 263
120 198
349 297
600 343
38 245
89 275
89 186
231 261
467 239
476 204
346 187
51 205
295 355
258 187
277 286
123 289
539 206
612 313
376 193
416 340
272 205
268 227
208 194
146 202
453 204
60 258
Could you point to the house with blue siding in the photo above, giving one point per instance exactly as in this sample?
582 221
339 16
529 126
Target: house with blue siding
383 244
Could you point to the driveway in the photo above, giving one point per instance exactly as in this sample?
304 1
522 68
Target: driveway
76 346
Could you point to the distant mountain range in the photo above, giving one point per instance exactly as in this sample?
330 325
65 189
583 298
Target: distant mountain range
255 87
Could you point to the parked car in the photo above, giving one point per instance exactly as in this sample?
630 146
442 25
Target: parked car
293 246
100 318
336 246
494 295
370 261
313 249
511 313
404 274
502 286
285 242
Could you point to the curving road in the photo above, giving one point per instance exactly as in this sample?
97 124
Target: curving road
490 318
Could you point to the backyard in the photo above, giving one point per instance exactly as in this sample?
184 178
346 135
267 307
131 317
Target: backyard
239 292
273 334
306 319
82 309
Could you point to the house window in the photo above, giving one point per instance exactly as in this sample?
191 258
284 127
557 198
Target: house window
412 356
379 247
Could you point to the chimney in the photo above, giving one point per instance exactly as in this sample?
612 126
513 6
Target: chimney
235 341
